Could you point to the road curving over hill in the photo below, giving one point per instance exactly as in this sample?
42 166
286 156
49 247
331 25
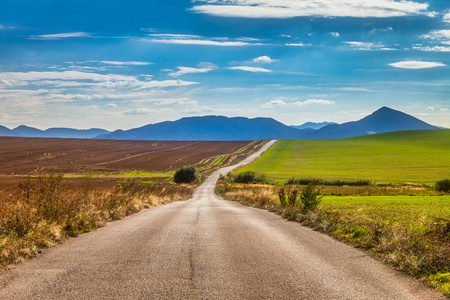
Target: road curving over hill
206 248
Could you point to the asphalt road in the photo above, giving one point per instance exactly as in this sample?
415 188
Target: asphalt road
206 248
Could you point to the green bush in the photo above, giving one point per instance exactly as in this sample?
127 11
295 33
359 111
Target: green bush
186 174
310 198
249 177
443 185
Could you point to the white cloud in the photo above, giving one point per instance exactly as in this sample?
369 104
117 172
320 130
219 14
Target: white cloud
4 27
315 101
273 103
144 111
92 107
110 105
66 75
201 42
416 64
124 63
444 109
167 101
204 68
76 78
335 34
430 108
446 17
311 8
386 29
433 49
58 36
175 36
296 44
73 96
437 34
137 111
165 83
264 60
251 69
368 46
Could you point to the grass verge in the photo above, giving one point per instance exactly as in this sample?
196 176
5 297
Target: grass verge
408 232
46 211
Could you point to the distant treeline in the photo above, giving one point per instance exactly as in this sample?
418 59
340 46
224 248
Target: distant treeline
306 181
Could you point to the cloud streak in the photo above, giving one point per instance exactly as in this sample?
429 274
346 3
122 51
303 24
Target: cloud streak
282 9
251 69
204 68
59 36
416 64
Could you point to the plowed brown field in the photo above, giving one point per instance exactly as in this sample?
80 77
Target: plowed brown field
38 156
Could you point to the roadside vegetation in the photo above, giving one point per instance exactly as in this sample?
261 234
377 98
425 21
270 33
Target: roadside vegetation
186 174
387 194
47 210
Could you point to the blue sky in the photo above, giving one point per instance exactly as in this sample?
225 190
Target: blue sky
123 64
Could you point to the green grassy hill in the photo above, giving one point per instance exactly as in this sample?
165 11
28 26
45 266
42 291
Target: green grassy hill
407 156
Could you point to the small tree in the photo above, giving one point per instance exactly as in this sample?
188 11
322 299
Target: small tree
310 198
186 174
443 185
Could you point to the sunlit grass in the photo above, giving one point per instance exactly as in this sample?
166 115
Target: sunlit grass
411 156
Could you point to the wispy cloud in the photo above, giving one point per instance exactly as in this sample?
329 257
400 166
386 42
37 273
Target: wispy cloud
335 34
368 46
432 49
5 27
311 8
416 64
315 101
446 17
58 36
200 42
251 69
175 36
110 105
203 68
77 78
164 84
296 44
437 34
272 103
264 60
190 39
124 63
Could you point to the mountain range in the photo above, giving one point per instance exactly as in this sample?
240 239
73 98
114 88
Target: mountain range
219 128
26 131
312 125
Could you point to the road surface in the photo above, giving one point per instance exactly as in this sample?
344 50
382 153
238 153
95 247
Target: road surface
206 248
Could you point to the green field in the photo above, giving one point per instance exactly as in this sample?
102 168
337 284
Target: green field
421 156
420 212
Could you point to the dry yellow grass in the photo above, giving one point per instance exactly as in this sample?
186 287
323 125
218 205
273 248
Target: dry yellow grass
45 212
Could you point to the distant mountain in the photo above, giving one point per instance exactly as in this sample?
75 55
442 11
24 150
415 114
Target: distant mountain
6 131
312 125
212 128
383 120
219 128
26 131
75 133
